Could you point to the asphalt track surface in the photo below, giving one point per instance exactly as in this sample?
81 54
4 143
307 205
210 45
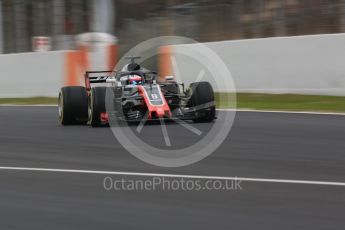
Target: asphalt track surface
260 145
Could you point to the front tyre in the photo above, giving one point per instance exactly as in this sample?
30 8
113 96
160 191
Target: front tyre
202 101
72 105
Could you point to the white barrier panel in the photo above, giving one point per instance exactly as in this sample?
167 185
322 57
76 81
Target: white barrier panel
304 64
31 74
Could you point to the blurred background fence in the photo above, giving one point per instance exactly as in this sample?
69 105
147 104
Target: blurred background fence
132 21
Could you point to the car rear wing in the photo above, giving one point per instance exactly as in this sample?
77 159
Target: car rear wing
92 77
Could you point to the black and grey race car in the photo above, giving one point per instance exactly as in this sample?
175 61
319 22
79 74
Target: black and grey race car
136 94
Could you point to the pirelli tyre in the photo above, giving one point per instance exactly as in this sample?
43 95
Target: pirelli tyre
96 106
202 100
72 105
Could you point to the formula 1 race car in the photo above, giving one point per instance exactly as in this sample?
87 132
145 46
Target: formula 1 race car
137 94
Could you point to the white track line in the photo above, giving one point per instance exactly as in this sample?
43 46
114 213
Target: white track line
282 111
308 182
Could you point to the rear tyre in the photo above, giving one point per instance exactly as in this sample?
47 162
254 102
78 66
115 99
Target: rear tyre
96 105
72 105
202 100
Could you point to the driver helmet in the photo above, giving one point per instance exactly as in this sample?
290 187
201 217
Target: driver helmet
134 79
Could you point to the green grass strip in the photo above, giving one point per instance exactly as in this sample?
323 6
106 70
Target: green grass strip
29 101
286 102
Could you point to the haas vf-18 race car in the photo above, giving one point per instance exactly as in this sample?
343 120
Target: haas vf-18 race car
136 94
